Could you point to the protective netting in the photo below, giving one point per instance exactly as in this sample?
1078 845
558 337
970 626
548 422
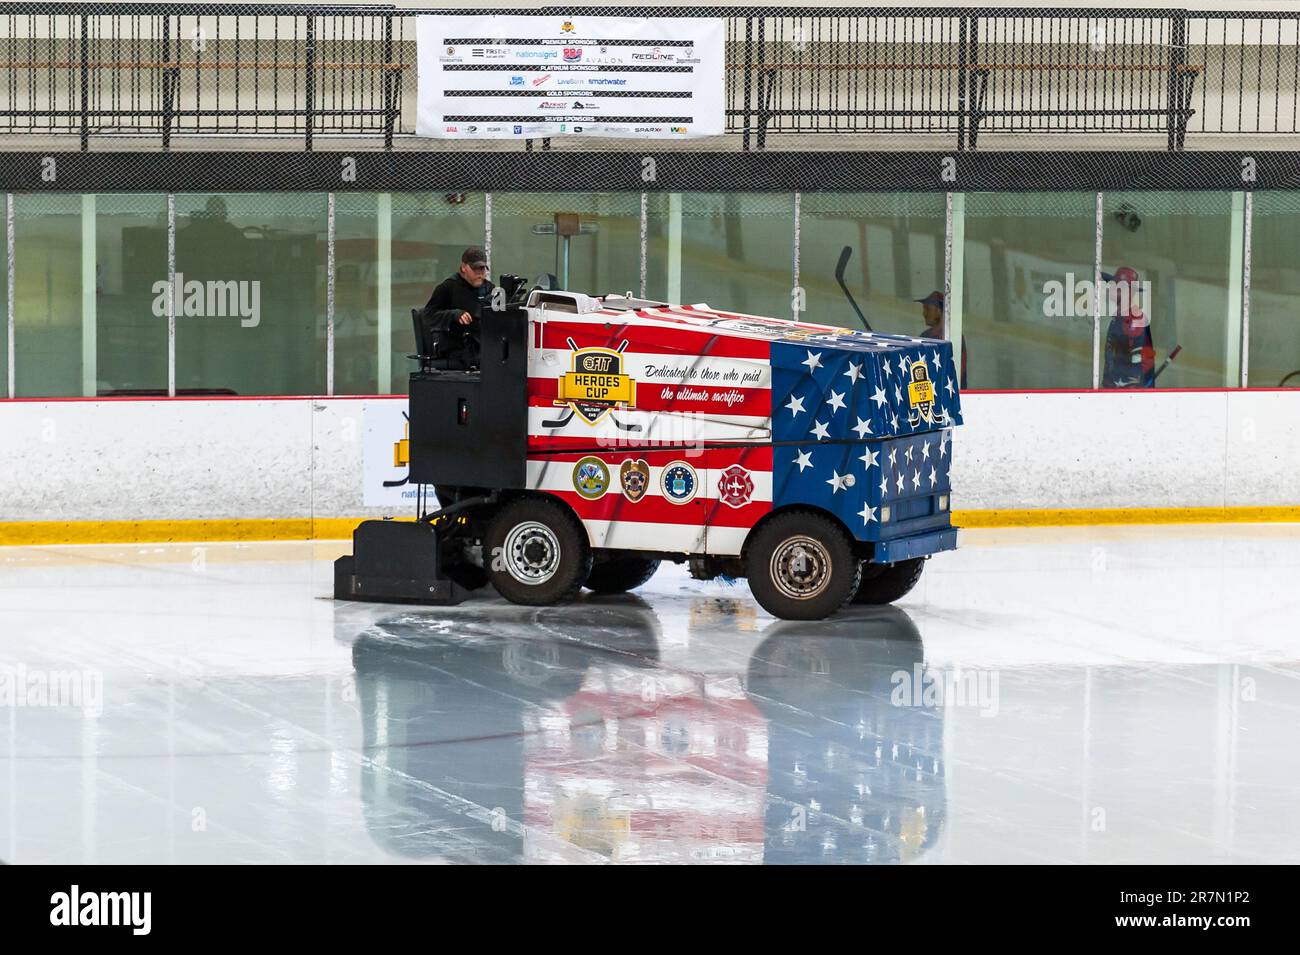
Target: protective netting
795 77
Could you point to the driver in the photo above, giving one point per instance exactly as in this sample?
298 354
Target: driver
456 307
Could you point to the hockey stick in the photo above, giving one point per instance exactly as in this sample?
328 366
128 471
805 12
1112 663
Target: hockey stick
1165 364
559 422
845 254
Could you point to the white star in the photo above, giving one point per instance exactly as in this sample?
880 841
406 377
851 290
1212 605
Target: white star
795 405
804 460
854 372
836 401
943 444
925 451
863 428
909 454
868 513
893 457
870 458
900 483
879 397
933 477
938 363
821 431
888 371
898 394
814 360
894 421
836 482
884 486
948 388
916 479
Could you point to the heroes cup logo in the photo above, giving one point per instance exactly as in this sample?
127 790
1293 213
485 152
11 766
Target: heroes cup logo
635 478
920 394
597 383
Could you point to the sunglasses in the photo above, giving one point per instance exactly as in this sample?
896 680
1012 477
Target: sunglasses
478 268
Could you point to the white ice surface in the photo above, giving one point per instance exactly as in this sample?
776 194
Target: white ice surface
1143 693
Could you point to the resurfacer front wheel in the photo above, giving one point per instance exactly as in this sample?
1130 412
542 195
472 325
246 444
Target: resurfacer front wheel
536 553
801 566
889 582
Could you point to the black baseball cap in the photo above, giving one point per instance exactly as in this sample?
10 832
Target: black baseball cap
474 257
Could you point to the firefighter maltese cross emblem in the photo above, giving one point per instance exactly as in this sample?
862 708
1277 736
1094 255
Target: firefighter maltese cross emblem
735 487
595 385
920 394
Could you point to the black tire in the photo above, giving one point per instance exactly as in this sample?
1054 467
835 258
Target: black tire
536 552
618 575
462 567
801 566
891 583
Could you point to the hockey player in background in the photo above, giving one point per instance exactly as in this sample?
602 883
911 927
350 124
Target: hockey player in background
1130 352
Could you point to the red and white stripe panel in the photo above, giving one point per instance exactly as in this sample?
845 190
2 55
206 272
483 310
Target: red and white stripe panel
711 521
691 386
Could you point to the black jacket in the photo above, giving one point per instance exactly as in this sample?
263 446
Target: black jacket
451 297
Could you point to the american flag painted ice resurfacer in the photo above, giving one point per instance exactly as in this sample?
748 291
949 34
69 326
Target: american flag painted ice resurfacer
599 437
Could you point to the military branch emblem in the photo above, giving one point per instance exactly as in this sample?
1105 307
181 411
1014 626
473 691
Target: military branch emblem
735 486
591 478
594 386
679 482
920 394
634 476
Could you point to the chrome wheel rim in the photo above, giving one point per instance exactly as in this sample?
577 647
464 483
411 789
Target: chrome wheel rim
531 553
800 568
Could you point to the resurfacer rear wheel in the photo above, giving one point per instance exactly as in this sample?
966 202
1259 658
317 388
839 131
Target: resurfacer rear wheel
536 553
801 566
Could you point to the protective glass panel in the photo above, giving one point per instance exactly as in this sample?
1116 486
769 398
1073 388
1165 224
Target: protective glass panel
894 246
1275 291
251 316
1187 258
1027 280
734 251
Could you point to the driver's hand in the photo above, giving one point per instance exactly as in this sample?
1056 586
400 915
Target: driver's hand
465 318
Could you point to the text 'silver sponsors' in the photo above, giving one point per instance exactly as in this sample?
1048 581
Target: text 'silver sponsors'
522 77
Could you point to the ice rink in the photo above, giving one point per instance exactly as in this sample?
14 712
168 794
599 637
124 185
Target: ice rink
1047 695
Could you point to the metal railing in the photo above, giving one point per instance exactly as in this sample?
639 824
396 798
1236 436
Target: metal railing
185 69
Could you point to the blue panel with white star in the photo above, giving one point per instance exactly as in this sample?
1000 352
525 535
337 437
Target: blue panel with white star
850 439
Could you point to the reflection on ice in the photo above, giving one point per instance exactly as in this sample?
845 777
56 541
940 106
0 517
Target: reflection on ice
854 774
510 734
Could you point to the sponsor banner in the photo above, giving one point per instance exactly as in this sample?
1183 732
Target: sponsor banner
521 77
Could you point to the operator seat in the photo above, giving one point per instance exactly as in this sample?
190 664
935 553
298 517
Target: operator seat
429 349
